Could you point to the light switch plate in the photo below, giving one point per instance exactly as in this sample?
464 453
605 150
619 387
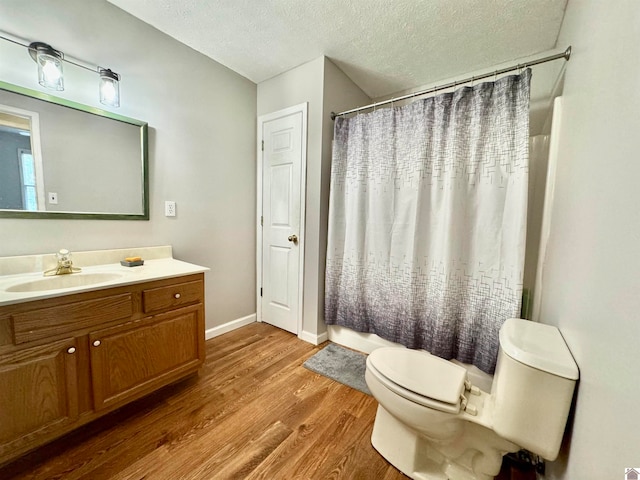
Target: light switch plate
53 198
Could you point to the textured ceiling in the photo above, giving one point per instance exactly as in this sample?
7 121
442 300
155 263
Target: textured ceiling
384 46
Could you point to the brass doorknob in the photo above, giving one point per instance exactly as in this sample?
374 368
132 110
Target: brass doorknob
293 238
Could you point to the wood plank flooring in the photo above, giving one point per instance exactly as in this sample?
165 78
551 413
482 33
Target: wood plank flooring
253 413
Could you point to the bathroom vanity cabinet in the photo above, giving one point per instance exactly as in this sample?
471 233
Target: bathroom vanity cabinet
67 360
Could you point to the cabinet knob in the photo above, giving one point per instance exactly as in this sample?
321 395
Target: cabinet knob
96 343
177 295
71 350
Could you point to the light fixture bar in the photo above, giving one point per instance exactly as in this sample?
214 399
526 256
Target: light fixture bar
14 41
50 70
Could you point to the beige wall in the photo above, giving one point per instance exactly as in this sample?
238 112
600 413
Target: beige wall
202 143
324 87
303 84
591 277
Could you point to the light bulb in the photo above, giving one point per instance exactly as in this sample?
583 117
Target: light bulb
50 69
109 88
51 72
108 91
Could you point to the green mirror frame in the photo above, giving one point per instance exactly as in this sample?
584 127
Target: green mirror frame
144 149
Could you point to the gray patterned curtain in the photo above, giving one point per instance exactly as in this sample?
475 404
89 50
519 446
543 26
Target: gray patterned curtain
427 220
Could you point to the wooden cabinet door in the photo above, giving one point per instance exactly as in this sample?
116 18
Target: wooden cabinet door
38 394
131 360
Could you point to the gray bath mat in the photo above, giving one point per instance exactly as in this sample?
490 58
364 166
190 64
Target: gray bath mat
340 364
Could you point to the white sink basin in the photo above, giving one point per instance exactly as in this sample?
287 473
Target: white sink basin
64 281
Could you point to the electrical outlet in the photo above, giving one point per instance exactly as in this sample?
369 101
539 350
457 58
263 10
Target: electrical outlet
53 198
169 209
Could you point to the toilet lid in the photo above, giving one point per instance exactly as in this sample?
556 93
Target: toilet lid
421 373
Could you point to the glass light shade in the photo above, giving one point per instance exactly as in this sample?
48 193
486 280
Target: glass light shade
50 69
109 88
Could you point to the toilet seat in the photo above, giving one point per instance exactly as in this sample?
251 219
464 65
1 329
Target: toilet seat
419 377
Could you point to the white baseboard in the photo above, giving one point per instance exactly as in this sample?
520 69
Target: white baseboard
229 326
313 338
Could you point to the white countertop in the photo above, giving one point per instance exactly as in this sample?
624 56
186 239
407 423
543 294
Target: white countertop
153 269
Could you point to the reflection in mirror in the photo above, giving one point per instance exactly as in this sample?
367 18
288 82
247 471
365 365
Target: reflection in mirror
21 182
60 159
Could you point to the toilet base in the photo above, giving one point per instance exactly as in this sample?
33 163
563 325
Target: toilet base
423 459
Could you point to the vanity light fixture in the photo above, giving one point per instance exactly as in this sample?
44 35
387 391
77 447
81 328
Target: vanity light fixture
50 74
109 87
49 62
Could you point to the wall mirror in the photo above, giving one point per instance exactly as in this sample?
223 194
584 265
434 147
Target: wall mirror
61 159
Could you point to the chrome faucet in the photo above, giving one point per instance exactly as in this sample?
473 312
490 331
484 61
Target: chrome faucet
65 265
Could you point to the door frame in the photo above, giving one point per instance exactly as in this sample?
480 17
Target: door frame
262 119
36 149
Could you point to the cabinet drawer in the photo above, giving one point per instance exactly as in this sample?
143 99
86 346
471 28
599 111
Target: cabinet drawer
71 317
172 296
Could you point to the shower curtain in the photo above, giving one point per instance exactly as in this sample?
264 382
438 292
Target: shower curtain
427 220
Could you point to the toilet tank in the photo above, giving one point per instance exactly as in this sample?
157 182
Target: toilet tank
533 386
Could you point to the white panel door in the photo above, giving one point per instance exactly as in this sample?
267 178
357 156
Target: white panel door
281 230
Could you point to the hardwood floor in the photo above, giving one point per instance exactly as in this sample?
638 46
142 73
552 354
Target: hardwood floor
253 412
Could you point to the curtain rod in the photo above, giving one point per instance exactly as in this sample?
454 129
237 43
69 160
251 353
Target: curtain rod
566 55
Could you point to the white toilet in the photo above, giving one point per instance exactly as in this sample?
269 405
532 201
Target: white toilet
433 424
